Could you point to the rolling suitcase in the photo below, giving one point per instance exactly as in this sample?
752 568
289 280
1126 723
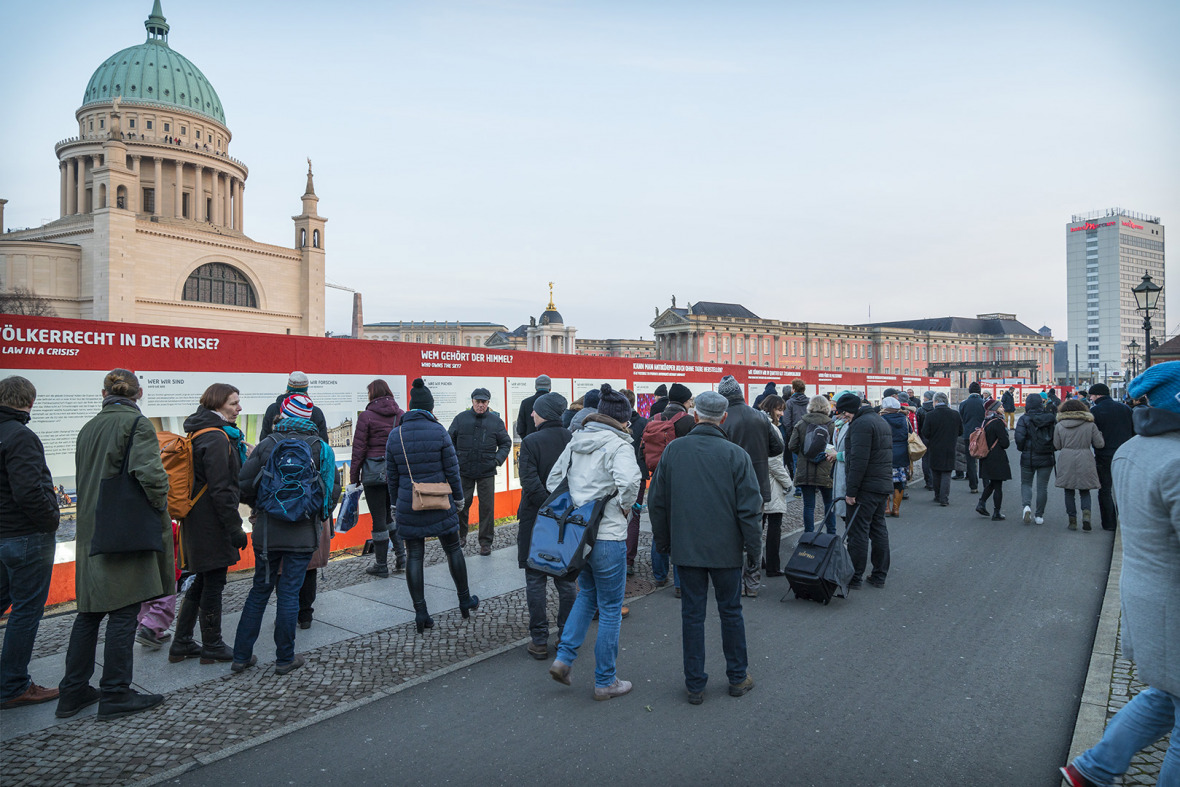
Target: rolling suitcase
819 568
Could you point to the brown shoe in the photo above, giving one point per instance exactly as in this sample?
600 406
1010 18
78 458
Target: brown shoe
539 651
485 551
560 672
33 695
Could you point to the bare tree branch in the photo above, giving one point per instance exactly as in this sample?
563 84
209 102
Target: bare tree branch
26 302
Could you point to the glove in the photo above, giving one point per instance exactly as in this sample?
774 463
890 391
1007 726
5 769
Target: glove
460 503
238 539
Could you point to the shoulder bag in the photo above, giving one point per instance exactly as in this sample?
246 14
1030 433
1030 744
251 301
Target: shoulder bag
434 496
124 519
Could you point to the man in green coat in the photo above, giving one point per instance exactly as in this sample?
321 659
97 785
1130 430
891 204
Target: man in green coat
114 585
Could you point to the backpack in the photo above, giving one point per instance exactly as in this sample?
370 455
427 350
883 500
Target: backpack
1040 437
815 442
977 444
176 452
290 488
656 436
564 535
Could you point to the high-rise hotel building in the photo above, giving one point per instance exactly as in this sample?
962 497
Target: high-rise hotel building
1106 254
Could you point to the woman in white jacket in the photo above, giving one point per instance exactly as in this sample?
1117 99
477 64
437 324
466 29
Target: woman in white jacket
839 472
600 461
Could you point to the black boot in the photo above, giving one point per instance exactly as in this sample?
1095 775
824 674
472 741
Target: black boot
467 603
422 618
183 646
381 552
213 647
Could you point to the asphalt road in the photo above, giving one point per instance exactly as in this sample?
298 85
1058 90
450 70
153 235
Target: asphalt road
966 669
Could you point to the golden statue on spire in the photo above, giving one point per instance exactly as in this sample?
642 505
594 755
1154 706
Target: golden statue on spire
551 306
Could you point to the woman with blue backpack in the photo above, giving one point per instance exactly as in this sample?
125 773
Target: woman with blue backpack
813 471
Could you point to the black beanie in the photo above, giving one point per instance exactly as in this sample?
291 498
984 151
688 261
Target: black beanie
679 393
848 403
662 390
420 396
590 399
973 388
613 404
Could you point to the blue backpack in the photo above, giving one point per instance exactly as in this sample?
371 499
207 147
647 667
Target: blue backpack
290 488
564 535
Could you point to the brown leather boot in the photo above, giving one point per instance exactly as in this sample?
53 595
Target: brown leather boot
897 498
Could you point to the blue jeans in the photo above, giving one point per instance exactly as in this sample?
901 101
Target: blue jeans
1141 722
659 567
600 586
809 508
727 588
266 579
26 565
1041 476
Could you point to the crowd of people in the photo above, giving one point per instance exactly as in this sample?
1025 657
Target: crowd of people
717 474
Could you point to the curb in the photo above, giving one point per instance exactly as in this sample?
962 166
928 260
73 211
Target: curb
1092 711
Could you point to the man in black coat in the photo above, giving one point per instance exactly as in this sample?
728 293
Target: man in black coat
28 521
538 452
868 455
297 383
971 411
750 429
923 411
941 428
661 402
482 444
524 417
1113 419
1008 402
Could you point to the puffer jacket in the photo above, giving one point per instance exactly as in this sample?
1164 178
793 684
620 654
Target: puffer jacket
430 456
214 520
1075 435
869 454
481 443
808 473
781 486
598 461
372 433
1035 417
899 428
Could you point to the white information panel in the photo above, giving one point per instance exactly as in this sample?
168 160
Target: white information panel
452 395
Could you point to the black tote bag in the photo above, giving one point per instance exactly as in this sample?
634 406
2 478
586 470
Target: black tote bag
124 520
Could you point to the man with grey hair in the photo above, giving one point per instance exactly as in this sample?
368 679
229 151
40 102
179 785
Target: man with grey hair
940 431
28 521
705 505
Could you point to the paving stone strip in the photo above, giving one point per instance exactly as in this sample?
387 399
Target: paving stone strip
1124 685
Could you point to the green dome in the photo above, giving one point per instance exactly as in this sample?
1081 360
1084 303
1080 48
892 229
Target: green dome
152 73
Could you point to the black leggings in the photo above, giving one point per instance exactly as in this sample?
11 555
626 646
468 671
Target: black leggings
994 489
206 590
416 555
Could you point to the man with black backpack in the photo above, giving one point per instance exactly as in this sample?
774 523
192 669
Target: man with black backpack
290 481
1034 440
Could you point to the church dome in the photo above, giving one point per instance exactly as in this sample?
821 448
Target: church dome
153 73
551 316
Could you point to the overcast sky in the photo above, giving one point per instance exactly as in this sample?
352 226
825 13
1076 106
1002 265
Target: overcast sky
811 161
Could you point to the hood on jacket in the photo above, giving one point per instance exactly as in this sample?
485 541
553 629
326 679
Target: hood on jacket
800 398
596 436
385 405
12 414
1074 418
204 419
816 418
1154 421
1034 403
770 389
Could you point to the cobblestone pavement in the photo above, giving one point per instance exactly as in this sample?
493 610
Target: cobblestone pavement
228 710
1124 685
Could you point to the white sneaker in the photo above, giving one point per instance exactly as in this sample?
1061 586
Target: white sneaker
1040 520
1028 517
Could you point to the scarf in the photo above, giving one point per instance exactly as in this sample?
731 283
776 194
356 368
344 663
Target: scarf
235 440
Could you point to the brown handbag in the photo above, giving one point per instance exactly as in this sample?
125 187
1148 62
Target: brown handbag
435 496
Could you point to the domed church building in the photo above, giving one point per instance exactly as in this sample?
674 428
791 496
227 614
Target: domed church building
152 225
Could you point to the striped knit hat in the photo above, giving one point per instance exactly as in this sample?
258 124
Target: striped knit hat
297 406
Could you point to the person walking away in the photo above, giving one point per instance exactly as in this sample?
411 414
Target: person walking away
482 444
1052 401
869 450
673 422
283 548
940 432
781 487
599 463
761 439
814 474
1034 441
1145 470
661 401
113 586
420 451
921 413
1114 420
636 426
770 390
538 451
297 383
1074 437
899 427
705 508
524 416
28 521
994 468
211 536
373 426
971 411
1008 400
796 409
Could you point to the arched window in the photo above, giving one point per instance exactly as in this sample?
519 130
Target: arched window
302 238
216 282
315 238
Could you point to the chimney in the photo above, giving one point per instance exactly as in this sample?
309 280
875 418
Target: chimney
358 319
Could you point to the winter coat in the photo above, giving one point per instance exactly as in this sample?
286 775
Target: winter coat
781 486
372 433
752 430
869 454
637 424
658 406
796 409
1073 438
277 535
103 583
1114 420
807 472
705 503
921 413
272 416
599 460
432 459
995 466
1035 417
481 443
1144 473
1008 402
206 532
940 432
899 428
524 416
770 390
840 468
971 411
28 499
538 452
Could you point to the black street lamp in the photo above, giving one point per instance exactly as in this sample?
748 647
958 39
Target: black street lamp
1134 348
1147 295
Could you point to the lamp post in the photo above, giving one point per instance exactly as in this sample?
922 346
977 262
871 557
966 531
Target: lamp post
1134 348
1147 295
